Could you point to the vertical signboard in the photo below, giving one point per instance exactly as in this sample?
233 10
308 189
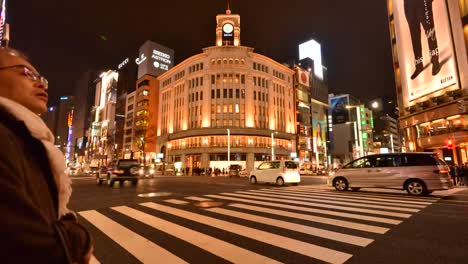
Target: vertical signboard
425 48
2 21
338 111
154 59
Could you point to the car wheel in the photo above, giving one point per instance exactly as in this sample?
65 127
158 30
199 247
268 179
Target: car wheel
253 180
341 184
279 181
415 187
355 189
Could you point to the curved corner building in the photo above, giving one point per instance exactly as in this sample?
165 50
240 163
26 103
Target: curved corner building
227 105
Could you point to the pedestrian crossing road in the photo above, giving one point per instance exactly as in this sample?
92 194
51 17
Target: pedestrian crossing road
299 224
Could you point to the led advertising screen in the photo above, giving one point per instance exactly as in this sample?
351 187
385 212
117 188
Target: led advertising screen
425 48
154 59
338 111
2 20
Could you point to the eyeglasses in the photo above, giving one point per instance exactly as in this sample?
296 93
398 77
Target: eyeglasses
28 73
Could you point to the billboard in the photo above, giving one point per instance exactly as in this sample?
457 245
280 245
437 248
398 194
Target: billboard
338 111
303 77
2 20
313 50
425 48
319 136
154 59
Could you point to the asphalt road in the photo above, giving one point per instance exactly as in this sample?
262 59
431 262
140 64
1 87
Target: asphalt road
228 220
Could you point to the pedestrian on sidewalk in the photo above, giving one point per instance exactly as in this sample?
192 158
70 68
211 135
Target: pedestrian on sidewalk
37 226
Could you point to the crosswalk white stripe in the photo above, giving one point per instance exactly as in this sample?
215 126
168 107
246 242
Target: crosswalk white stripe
213 245
310 210
317 219
307 249
344 197
364 194
330 201
328 206
195 198
140 247
318 232
175 201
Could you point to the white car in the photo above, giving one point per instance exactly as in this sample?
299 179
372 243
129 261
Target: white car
278 171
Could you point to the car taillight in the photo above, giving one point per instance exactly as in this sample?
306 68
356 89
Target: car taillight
118 171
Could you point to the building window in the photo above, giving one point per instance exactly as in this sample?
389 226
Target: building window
143 83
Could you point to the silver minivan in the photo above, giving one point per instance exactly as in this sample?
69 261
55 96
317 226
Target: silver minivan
418 173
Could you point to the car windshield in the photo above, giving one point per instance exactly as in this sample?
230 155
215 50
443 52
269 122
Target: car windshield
127 163
290 164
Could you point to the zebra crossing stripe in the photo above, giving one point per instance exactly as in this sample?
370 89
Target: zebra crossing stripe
366 194
307 249
310 210
199 199
343 198
318 232
175 201
213 245
344 208
140 247
317 219
330 201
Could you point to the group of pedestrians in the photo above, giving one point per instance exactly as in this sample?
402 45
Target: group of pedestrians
36 224
459 174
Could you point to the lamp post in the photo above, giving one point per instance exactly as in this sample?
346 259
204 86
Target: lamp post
356 140
229 146
359 127
273 145
142 139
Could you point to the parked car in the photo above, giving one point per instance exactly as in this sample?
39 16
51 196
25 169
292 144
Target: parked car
417 173
147 171
278 171
244 173
124 169
234 170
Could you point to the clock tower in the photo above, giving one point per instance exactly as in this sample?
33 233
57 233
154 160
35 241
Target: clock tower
228 29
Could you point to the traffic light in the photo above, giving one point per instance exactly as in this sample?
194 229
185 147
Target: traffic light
450 144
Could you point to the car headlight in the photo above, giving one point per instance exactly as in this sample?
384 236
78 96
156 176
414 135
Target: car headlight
151 171
140 171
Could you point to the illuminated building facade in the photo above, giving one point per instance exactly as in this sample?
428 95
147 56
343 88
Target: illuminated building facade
431 75
226 105
351 126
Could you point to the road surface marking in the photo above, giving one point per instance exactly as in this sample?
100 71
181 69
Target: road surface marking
344 208
359 199
311 210
364 194
330 201
307 249
213 245
195 198
140 247
336 236
317 219
175 201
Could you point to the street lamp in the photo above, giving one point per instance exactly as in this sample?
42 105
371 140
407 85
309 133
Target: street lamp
142 139
273 145
359 128
356 140
229 146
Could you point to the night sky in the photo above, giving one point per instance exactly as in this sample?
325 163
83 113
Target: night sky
65 38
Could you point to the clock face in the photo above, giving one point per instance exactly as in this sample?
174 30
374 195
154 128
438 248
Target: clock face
228 28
